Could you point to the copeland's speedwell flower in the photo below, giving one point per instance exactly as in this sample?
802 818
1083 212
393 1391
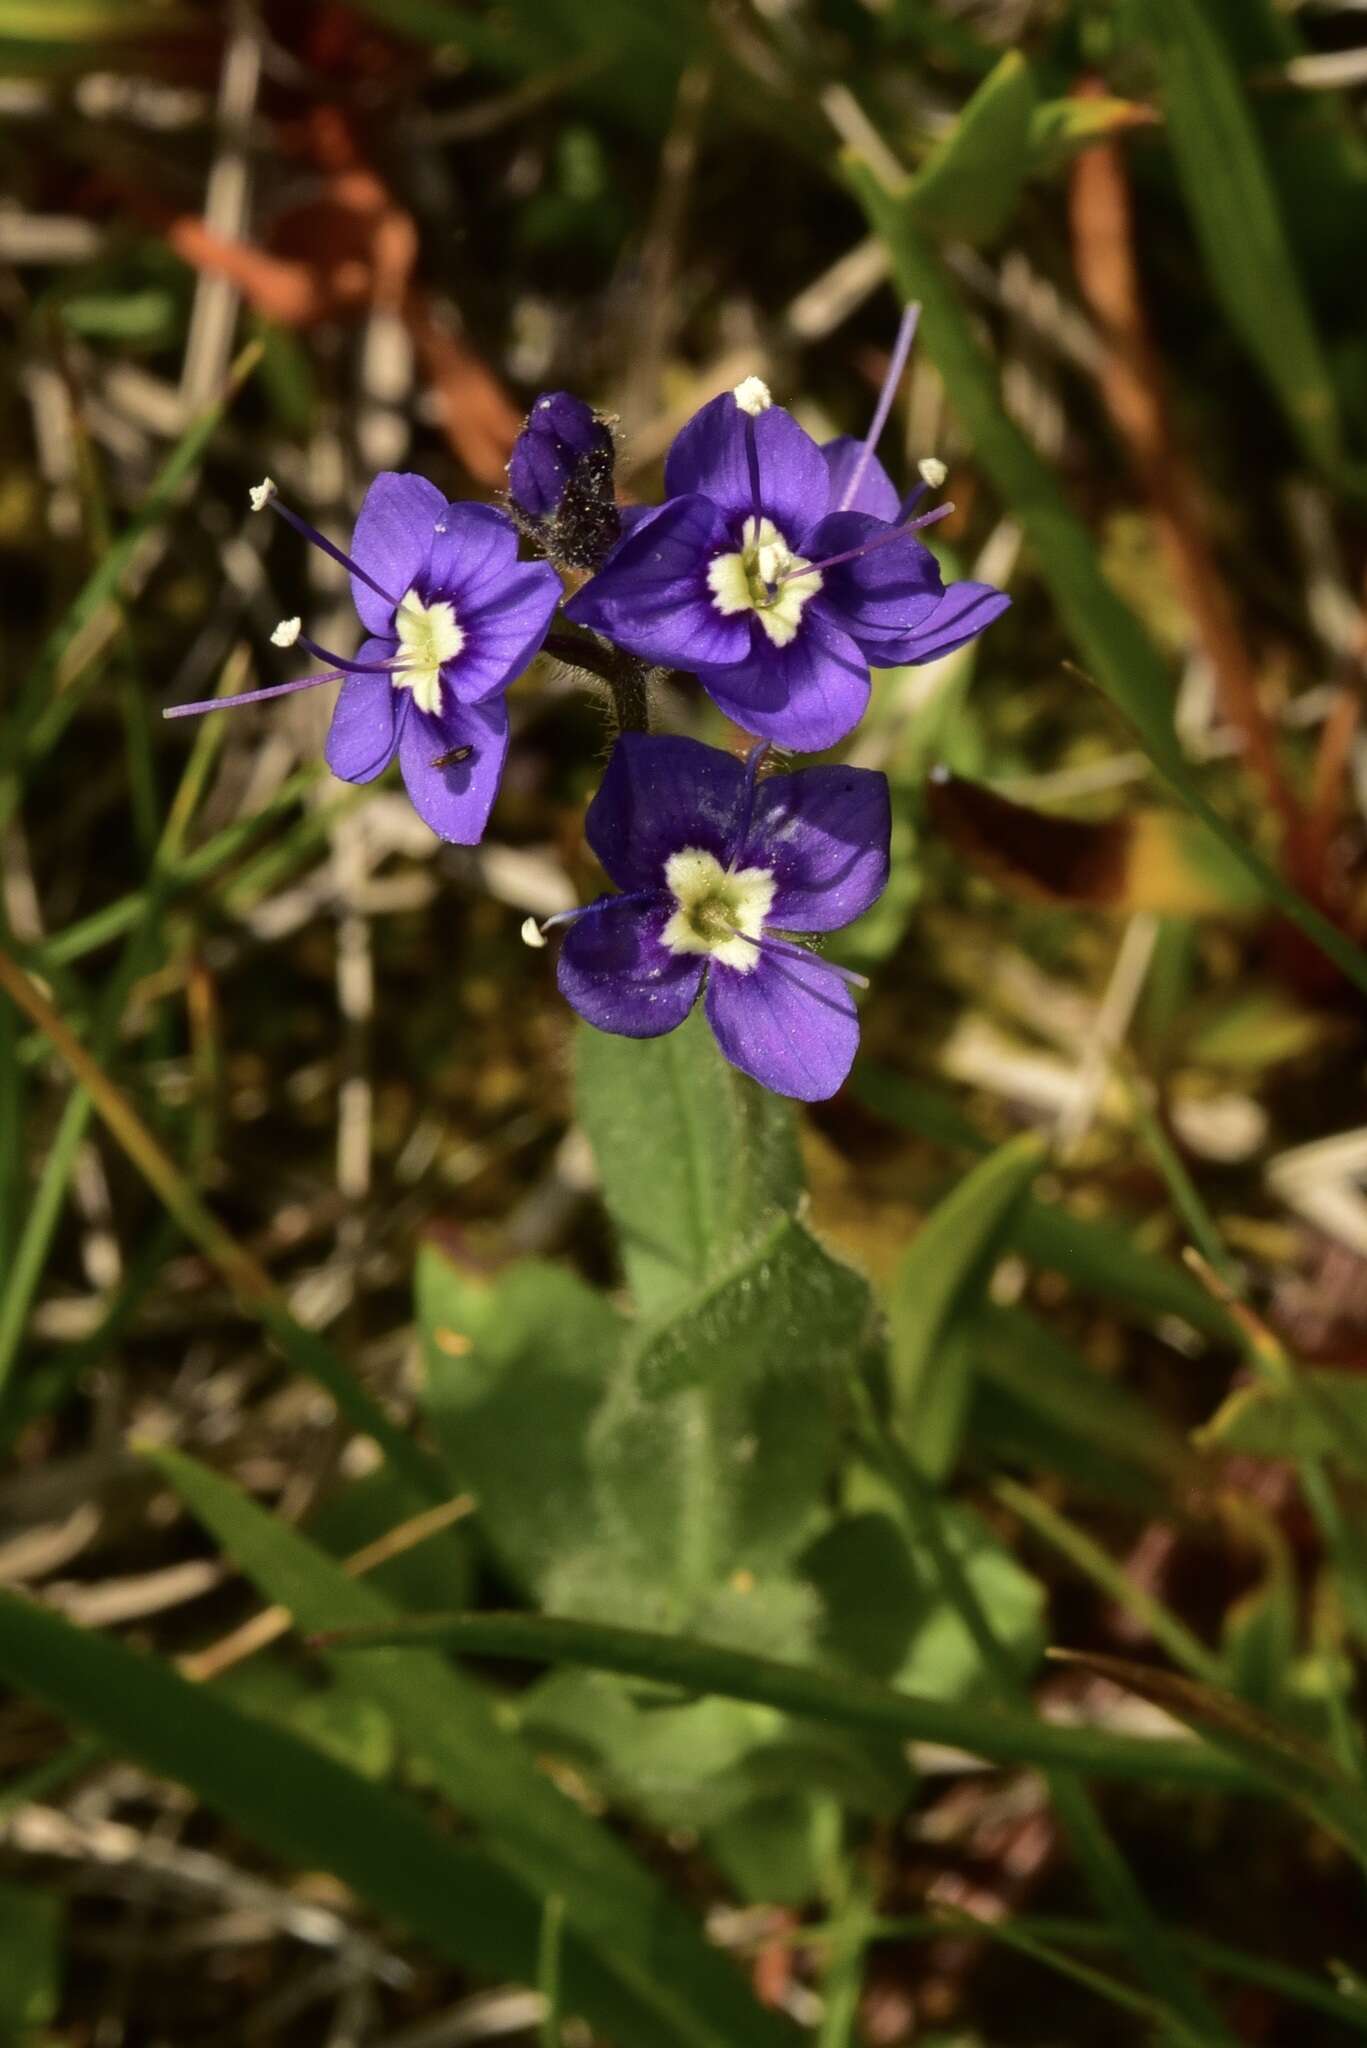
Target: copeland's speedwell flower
452 617
715 867
779 571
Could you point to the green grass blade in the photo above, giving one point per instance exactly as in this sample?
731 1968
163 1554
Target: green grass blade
296 1802
1281 1755
50 698
944 1269
1233 205
1115 646
625 1915
850 1702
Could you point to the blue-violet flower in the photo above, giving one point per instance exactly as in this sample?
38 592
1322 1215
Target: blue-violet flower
452 618
716 866
779 571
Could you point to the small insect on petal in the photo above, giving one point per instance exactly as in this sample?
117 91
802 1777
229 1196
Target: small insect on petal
532 934
262 493
452 756
753 395
287 632
932 471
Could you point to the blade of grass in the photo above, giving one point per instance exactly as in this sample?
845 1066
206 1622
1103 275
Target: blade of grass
296 1802
1107 1873
1216 1956
626 1916
246 1278
1280 1754
50 695
1110 1988
707 1668
1116 647
1166 1628
1233 204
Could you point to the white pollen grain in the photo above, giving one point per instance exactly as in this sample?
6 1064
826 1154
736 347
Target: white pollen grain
532 934
932 471
753 395
262 493
287 632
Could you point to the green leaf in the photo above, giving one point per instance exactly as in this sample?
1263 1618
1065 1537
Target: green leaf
30 1930
1281 1755
515 1370
1219 159
1036 1397
1320 1414
712 1453
697 1161
638 1932
299 1804
1114 645
1059 128
968 188
935 1293
1097 1254
841 1698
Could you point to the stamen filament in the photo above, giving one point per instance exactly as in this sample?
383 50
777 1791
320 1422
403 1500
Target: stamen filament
250 696
869 547
752 463
320 540
344 664
786 949
897 362
747 800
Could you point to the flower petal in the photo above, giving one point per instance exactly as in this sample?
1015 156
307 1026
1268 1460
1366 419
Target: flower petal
709 456
614 971
824 834
790 1022
455 797
875 492
659 794
806 695
366 720
392 541
652 597
474 547
880 596
962 613
503 634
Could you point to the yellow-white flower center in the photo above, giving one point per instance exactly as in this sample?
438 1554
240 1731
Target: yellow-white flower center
752 580
720 910
428 635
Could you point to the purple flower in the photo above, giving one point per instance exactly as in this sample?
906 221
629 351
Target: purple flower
452 617
779 571
715 866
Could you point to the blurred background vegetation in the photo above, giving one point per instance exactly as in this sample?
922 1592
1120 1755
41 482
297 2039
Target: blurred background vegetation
266 1046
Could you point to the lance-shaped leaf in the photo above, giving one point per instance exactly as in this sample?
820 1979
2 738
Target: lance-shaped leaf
936 1292
696 1160
638 1933
1280 1755
968 187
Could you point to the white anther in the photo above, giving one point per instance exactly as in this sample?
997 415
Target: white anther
932 471
262 493
532 934
753 395
287 632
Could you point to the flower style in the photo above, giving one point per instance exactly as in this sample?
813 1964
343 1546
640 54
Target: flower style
779 571
452 617
715 866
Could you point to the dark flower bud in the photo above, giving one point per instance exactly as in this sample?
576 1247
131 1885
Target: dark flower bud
560 480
